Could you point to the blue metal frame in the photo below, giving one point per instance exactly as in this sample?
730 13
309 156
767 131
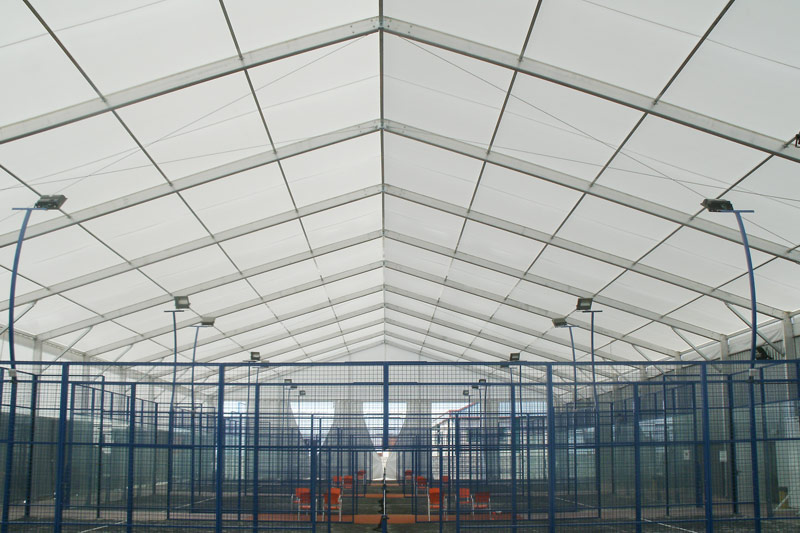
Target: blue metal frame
538 438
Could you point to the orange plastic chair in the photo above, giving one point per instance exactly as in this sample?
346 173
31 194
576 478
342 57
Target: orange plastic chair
445 479
434 501
408 475
348 482
336 481
465 498
302 497
483 501
422 484
333 501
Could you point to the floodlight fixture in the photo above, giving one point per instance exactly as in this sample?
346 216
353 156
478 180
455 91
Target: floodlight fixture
302 393
560 322
207 322
584 304
465 392
181 302
50 201
513 356
287 380
717 205
482 380
475 387
255 356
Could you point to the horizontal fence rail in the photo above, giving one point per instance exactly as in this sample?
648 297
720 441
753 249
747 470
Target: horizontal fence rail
440 447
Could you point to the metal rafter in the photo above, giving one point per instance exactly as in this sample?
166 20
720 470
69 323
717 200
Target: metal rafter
238 331
551 284
593 87
197 244
200 178
580 249
586 187
217 282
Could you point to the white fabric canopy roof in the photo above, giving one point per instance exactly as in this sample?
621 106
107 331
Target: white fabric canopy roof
447 177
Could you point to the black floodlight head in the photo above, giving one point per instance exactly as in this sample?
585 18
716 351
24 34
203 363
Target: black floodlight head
560 322
584 304
761 354
302 393
207 322
287 380
50 201
255 356
475 387
466 392
292 387
715 205
181 302
482 380
513 356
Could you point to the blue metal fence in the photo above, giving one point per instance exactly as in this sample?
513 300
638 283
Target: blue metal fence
510 447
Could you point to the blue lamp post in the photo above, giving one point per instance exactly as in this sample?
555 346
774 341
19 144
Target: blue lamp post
716 205
45 203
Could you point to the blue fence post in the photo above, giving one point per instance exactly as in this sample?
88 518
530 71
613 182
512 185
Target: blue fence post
551 454
707 479
458 472
61 452
100 444
220 474
131 448
513 458
12 417
666 447
732 436
385 436
29 476
637 457
313 475
256 430
754 455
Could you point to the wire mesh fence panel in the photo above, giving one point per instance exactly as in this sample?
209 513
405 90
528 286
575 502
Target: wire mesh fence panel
443 447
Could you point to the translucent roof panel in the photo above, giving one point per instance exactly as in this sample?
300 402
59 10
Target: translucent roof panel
319 91
574 269
561 129
344 222
142 40
259 24
422 222
612 228
746 58
700 257
627 43
198 128
498 246
334 170
44 78
442 92
267 245
523 199
406 254
501 26
431 171
677 166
